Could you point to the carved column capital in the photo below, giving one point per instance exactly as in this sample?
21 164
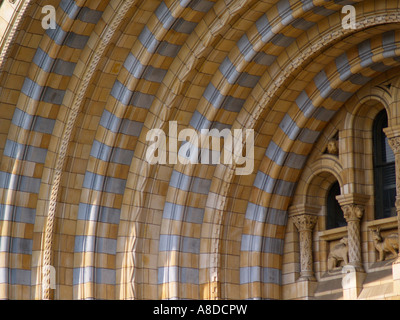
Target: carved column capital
304 222
394 143
353 212
393 135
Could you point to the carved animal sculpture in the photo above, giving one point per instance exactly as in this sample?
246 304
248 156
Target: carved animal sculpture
384 245
338 253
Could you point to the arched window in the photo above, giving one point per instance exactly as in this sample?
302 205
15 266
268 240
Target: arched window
384 170
335 218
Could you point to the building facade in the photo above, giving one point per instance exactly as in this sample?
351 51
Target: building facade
84 214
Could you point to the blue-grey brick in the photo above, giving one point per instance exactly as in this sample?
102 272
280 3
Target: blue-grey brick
16 245
365 53
76 41
168 49
31 89
103 183
134 67
131 128
103 214
154 74
200 185
343 67
323 84
178 274
95 244
246 48
320 10
247 80
264 29
302 24
53 96
264 59
270 185
22 152
308 136
21 183
282 40
17 214
141 100
70 8
43 125
250 274
189 275
183 26
121 93
254 243
183 213
180 181
164 15
89 15
233 104
285 11
323 114
83 275
20 276
201 5
105 276
228 69
267 215
307 5
280 157
271 275
58 35
341 95
213 96
389 43
167 274
359 79
198 121
380 67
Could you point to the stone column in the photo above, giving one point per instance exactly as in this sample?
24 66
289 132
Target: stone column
353 274
393 134
353 210
305 217
305 224
353 214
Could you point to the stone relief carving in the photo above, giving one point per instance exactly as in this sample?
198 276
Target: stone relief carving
338 254
386 244
333 147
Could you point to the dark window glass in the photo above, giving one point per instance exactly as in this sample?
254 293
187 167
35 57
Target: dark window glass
335 218
384 170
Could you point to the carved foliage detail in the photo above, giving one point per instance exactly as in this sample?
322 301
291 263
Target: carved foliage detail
305 222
